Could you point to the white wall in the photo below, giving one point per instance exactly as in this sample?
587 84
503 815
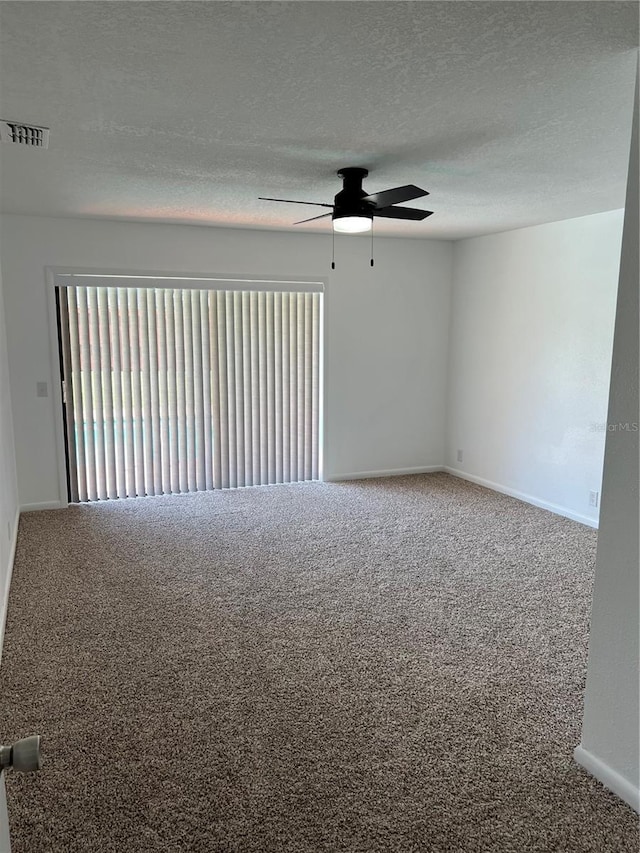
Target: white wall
8 515
386 329
530 353
611 727
8 483
529 356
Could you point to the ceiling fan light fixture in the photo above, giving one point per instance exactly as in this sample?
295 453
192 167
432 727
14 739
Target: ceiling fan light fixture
352 224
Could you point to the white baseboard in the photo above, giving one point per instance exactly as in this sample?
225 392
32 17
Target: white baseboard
5 593
43 505
609 777
390 472
521 496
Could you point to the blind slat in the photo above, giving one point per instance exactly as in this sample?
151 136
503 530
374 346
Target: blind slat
293 387
238 336
145 395
86 425
105 380
300 384
308 386
181 397
136 392
189 393
315 388
271 387
286 397
215 390
277 386
127 405
198 395
154 387
246 389
172 393
163 391
263 387
116 376
73 376
223 390
231 389
255 390
96 378
206 453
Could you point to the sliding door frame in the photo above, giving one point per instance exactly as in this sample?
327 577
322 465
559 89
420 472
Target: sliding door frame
81 276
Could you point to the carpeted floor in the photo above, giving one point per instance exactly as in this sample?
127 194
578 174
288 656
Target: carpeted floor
385 666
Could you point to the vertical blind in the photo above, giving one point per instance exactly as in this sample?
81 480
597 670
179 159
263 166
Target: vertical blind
178 390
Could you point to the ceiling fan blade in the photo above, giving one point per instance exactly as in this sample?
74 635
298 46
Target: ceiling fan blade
396 195
291 201
402 213
313 218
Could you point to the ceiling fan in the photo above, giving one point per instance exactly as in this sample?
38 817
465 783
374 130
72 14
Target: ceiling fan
353 209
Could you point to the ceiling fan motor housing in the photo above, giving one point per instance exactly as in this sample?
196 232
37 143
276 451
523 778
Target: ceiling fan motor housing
348 202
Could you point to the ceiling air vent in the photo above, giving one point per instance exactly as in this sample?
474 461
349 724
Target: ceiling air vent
24 134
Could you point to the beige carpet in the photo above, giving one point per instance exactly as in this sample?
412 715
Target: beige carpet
389 665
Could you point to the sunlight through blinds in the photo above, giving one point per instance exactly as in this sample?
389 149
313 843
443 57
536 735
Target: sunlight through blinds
176 390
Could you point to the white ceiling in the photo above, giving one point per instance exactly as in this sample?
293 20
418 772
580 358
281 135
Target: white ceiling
509 113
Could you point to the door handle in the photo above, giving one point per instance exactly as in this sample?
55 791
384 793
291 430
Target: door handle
23 755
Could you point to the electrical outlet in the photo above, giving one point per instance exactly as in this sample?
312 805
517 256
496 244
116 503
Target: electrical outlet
459 456
594 498
9 531
42 389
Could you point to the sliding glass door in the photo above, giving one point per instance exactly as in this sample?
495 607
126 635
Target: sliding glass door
171 390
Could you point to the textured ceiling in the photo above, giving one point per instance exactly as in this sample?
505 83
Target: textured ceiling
509 113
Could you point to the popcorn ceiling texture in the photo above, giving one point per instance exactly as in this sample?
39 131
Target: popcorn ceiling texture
510 113
385 666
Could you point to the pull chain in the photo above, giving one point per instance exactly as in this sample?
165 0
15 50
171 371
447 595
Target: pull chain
333 248
372 242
